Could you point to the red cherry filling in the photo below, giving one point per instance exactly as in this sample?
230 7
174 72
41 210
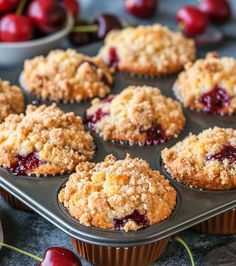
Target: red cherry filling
228 152
138 218
25 163
215 100
92 119
113 58
155 135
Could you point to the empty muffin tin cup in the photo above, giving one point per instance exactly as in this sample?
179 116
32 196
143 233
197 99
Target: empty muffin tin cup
222 224
116 256
13 201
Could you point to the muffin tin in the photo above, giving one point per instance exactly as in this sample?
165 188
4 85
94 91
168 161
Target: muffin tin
193 206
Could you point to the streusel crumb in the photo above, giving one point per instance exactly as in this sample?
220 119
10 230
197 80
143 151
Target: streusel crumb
147 50
209 85
205 161
67 75
11 100
139 114
118 194
44 141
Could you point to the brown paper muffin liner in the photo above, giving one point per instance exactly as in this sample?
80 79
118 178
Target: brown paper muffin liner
222 224
125 256
13 201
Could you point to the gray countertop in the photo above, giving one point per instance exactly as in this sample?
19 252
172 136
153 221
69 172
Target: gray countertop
32 233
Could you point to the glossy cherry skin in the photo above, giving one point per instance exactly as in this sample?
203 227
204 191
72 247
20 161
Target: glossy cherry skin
106 23
47 15
141 8
15 28
193 20
217 10
8 5
80 38
57 256
72 6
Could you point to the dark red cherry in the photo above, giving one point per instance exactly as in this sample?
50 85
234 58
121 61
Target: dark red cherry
228 152
106 23
193 20
25 164
141 8
155 135
80 38
56 256
113 58
215 100
92 119
15 28
72 6
138 218
217 10
8 5
47 15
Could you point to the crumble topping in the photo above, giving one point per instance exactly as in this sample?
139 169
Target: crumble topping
118 194
139 114
205 161
211 75
45 141
147 50
67 75
11 100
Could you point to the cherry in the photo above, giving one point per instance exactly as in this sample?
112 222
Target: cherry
106 23
8 5
138 218
227 152
47 15
141 8
193 20
72 6
92 119
217 10
80 38
56 256
15 28
113 59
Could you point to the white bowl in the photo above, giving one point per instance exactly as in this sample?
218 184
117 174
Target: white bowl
12 54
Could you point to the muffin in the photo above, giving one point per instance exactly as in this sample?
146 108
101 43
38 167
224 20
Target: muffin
138 115
118 194
206 161
67 76
208 85
11 100
43 141
147 50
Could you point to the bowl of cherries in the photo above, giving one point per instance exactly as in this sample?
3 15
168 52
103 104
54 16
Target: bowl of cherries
32 27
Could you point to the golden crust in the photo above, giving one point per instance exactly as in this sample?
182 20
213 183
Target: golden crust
204 75
187 160
134 111
67 75
58 138
11 100
149 50
98 193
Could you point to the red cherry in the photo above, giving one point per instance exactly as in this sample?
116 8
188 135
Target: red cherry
80 38
47 15
15 28
8 5
217 10
141 8
193 20
72 6
56 256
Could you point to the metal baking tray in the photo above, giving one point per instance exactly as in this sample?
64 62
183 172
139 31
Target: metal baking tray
193 206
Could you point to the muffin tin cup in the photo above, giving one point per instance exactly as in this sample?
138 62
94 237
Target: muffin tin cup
222 224
13 201
126 256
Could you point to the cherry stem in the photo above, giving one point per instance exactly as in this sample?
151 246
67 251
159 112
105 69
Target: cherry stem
21 7
182 242
85 28
21 251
